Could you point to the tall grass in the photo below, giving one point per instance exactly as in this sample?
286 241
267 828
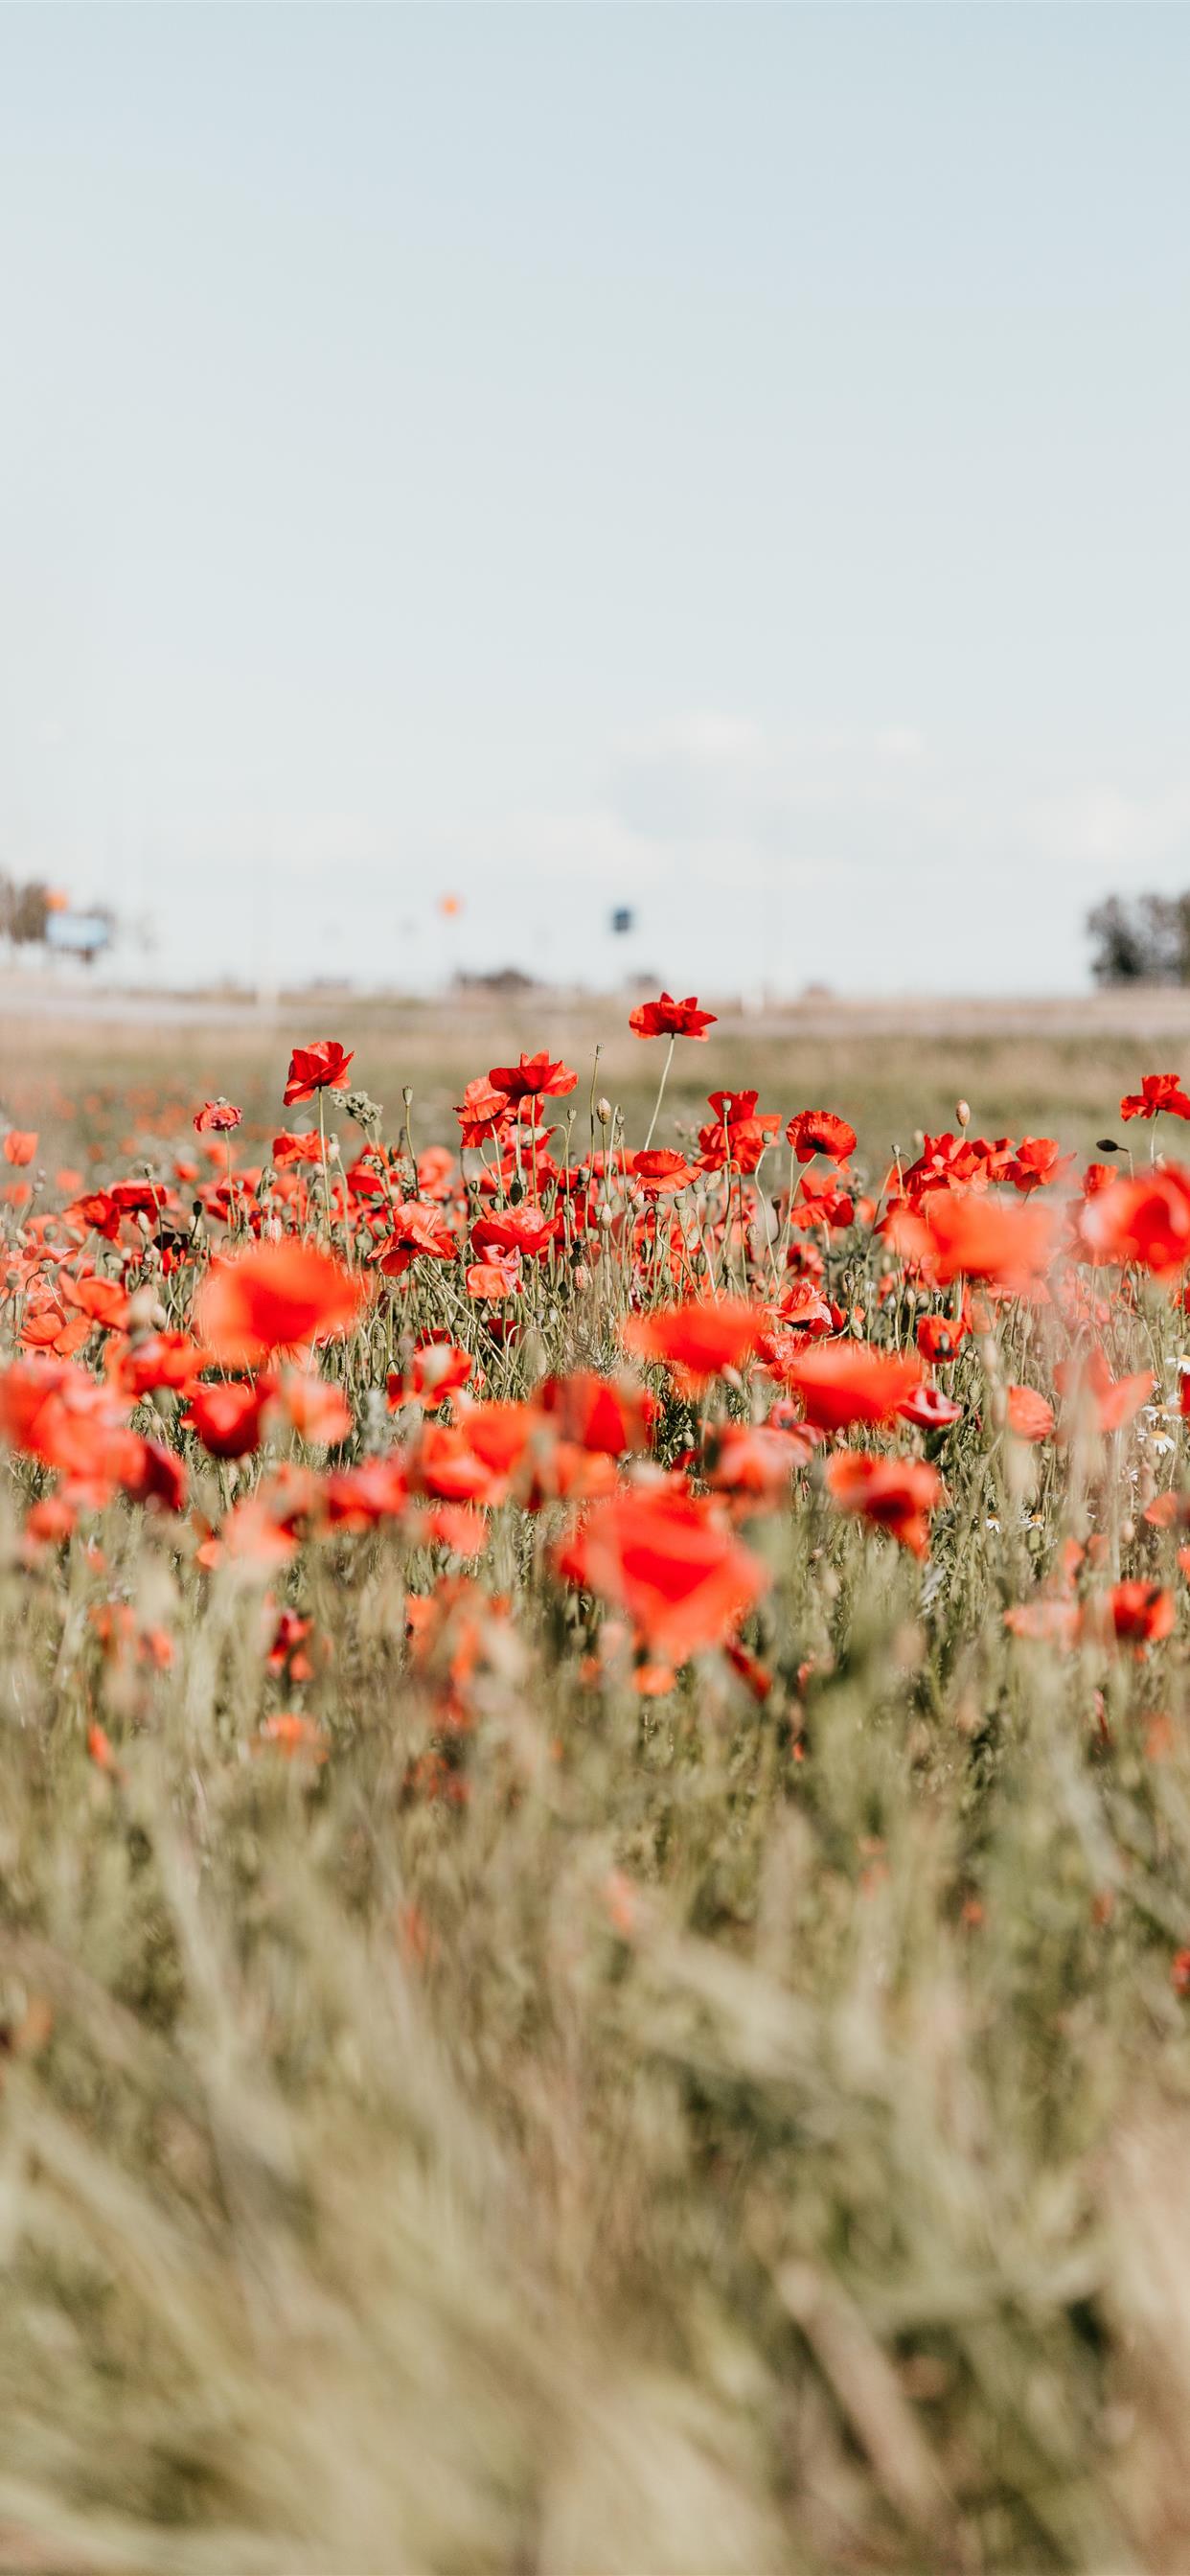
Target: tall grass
708 2134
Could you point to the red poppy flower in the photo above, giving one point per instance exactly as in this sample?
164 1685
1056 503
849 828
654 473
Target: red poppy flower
661 1172
492 1281
525 1229
669 1019
437 1370
289 1148
670 1562
1158 1091
1088 1384
418 1233
20 1145
534 1078
482 1111
56 1411
48 1328
844 1382
97 1213
939 1336
975 1237
818 1131
321 1067
217 1118
227 1417
929 1409
275 1296
600 1413
802 1308
104 1301
1030 1417
1037 1163
139 1198
896 1493
1146 1220
450 1470
755 1461
700 1339
738 1133
359 1498
1138 1613
309 1405
172 1360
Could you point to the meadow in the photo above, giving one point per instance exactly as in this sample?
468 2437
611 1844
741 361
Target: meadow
595 1801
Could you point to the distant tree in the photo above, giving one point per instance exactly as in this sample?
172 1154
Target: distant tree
24 912
1144 941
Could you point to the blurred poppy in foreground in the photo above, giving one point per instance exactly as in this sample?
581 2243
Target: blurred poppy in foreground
974 1237
700 1339
1146 1220
683 1578
896 1493
275 1296
844 1382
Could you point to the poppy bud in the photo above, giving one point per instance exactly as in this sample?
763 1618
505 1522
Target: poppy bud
603 1111
962 1111
605 1214
1106 1145
582 1276
366 1112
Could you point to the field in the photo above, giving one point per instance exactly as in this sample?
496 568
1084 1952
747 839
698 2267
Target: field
595 1812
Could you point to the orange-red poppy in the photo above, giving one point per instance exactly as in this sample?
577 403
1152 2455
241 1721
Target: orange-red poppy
844 1382
275 1296
700 1339
1030 1415
226 1416
819 1131
671 1563
666 1018
1158 1091
320 1067
1145 1220
533 1078
897 1493
974 1237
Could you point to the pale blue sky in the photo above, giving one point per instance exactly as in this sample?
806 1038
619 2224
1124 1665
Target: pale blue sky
730 460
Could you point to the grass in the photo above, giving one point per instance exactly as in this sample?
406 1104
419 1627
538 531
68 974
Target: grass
550 2127
1060 1068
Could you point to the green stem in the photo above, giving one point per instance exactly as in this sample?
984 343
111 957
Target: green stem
660 1092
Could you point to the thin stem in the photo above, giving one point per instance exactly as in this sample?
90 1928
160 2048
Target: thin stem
660 1092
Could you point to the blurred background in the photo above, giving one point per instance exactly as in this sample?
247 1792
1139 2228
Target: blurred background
594 495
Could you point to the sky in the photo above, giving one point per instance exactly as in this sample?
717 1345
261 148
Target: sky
727 461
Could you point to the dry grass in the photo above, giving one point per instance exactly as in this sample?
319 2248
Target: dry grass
894 1067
